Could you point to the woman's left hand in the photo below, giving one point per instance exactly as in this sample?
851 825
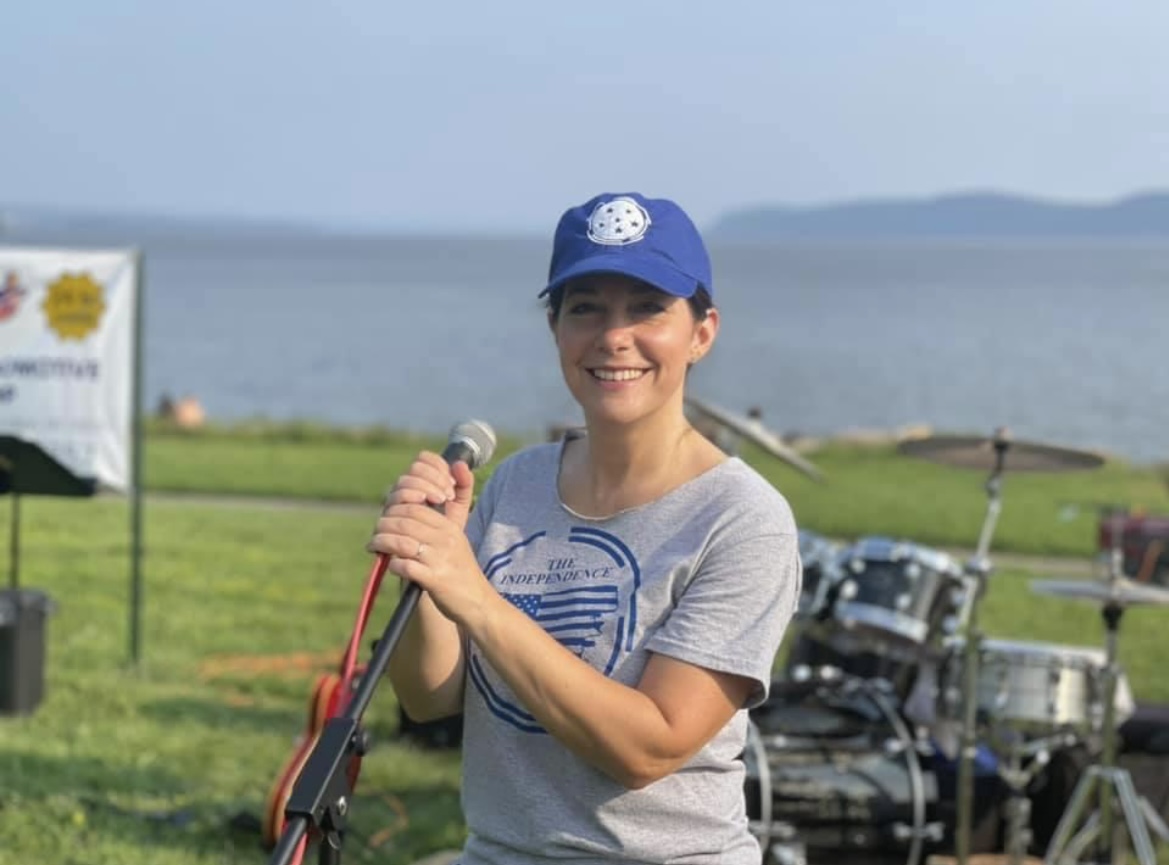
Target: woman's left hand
427 548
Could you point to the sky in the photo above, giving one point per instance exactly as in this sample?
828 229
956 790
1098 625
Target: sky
496 116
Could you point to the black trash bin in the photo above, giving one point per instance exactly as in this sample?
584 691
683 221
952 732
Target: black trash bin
22 649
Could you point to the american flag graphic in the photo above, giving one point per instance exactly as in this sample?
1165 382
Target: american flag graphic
574 617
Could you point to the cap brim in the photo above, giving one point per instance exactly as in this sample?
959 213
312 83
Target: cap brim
660 274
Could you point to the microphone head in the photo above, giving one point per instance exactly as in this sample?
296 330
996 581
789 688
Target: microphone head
479 439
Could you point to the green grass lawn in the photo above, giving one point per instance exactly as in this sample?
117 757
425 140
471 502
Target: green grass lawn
245 606
243 609
871 490
874 490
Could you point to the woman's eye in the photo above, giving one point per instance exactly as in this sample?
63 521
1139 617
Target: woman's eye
581 307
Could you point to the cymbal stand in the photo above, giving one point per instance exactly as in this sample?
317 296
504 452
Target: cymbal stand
978 570
1105 778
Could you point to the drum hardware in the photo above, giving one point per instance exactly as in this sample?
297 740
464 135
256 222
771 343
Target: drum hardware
1033 688
895 596
835 761
819 556
753 430
1025 760
879 611
979 569
912 750
778 839
755 757
1105 780
785 848
995 455
982 453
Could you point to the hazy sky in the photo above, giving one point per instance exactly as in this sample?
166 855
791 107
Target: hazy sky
496 115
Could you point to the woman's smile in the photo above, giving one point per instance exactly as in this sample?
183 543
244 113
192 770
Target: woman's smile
609 375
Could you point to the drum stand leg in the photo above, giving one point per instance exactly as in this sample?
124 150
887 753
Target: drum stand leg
1017 777
1018 827
1018 806
1139 816
969 742
979 570
1106 780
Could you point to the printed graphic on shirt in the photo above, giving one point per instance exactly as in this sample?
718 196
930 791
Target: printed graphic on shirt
580 588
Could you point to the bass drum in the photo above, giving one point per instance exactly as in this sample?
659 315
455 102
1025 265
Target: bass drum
834 762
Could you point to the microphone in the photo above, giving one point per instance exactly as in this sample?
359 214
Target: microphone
472 442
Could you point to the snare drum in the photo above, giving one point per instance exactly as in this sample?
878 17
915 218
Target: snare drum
1037 687
896 594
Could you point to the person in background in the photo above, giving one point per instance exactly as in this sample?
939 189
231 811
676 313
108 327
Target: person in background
611 608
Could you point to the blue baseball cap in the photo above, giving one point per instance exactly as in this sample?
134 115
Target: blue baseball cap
651 239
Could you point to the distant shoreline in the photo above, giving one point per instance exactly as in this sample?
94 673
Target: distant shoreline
978 215
377 434
971 216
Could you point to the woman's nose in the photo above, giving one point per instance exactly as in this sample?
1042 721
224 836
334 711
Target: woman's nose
616 331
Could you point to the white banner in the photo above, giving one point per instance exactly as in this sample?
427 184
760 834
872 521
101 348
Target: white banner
67 357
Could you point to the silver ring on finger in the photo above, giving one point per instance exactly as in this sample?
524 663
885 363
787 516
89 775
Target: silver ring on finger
421 550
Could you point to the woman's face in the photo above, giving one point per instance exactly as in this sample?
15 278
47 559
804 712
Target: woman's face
625 346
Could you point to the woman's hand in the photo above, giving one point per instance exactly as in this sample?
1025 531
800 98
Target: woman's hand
421 530
431 481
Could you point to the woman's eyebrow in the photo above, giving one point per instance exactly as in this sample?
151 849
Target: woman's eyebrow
579 288
589 287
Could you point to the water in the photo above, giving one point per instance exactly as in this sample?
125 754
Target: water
1063 342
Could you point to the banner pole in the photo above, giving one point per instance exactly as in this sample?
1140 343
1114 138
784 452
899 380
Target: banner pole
136 457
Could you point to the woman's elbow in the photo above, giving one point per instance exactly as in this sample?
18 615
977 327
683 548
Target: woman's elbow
640 771
426 707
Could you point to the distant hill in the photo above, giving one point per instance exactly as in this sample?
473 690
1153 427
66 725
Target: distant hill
972 215
22 220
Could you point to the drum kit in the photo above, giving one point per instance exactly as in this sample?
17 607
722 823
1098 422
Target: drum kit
898 728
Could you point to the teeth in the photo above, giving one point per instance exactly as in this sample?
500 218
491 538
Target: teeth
618 374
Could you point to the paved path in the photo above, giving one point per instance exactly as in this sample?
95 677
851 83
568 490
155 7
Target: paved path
280 503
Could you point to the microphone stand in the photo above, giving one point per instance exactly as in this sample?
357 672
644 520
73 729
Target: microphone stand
320 798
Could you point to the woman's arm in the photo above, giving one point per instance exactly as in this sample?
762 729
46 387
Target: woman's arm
428 666
634 735
731 616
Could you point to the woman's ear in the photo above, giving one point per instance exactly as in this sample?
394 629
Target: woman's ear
705 332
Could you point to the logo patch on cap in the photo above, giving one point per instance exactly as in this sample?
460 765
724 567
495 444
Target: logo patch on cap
618 222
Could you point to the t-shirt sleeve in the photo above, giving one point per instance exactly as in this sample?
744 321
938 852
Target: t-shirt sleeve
737 606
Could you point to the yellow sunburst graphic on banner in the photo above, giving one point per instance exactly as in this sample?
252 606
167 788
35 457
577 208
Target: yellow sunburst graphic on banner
74 306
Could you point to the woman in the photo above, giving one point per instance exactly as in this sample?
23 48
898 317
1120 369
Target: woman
612 606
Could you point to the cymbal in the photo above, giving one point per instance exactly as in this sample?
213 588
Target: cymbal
981 452
1121 591
753 430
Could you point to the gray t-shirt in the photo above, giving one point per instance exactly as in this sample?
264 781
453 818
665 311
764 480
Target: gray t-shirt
708 574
